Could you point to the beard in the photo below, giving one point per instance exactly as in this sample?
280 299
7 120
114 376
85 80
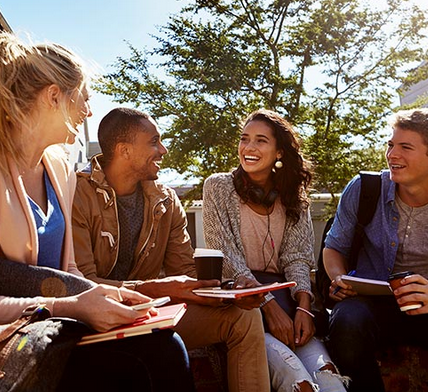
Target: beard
146 172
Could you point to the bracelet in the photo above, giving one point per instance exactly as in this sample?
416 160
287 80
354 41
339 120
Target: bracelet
267 299
306 311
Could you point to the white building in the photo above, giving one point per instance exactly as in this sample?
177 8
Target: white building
415 92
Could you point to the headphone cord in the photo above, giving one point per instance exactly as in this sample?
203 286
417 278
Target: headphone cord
272 242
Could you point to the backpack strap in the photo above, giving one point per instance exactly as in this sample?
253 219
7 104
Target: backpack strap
369 196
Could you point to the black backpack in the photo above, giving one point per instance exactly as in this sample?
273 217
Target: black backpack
369 195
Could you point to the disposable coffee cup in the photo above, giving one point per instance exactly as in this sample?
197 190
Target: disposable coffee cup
394 281
209 263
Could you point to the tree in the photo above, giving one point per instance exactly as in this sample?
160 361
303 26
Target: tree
329 66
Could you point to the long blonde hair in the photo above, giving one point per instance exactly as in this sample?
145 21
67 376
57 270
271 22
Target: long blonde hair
25 70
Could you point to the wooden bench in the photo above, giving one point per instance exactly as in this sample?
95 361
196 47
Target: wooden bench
209 368
404 369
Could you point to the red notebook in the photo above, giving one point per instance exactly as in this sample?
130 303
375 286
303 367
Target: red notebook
168 317
218 292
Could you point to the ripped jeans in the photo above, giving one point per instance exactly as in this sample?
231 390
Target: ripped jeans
288 368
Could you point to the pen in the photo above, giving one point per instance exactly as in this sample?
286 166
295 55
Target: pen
337 289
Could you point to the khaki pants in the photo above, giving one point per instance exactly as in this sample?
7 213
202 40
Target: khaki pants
242 332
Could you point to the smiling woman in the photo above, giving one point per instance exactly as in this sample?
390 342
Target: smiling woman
258 216
43 99
71 101
41 103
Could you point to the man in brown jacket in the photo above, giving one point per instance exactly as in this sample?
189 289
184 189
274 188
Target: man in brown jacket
129 230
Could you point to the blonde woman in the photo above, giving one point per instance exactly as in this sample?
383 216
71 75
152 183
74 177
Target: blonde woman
43 100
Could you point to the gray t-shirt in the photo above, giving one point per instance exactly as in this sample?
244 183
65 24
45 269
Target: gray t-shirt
131 215
412 254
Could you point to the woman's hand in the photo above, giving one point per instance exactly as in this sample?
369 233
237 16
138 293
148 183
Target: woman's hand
243 282
279 323
248 302
101 307
304 328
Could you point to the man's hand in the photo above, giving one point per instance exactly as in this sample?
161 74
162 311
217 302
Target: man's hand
340 290
248 302
415 288
335 266
179 289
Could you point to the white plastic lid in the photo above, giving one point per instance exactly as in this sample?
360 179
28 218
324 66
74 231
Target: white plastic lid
204 252
405 308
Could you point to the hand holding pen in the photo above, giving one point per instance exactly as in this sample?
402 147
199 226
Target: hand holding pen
337 289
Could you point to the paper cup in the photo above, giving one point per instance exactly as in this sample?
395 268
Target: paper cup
209 263
394 281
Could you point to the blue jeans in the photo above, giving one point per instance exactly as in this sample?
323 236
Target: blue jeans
288 368
359 326
155 362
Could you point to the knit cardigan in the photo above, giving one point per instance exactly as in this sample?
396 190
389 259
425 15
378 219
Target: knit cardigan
221 224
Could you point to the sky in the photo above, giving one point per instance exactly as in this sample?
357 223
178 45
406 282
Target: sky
97 30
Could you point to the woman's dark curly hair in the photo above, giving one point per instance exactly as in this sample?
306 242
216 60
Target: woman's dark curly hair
293 179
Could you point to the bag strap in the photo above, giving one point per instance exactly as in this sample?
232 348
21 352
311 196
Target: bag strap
9 335
29 315
369 196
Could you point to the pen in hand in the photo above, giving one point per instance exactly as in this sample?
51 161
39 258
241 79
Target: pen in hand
337 289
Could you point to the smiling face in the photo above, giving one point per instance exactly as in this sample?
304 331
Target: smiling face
56 115
257 151
146 151
407 158
78 110
79 107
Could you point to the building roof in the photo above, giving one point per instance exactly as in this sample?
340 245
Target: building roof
4 26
